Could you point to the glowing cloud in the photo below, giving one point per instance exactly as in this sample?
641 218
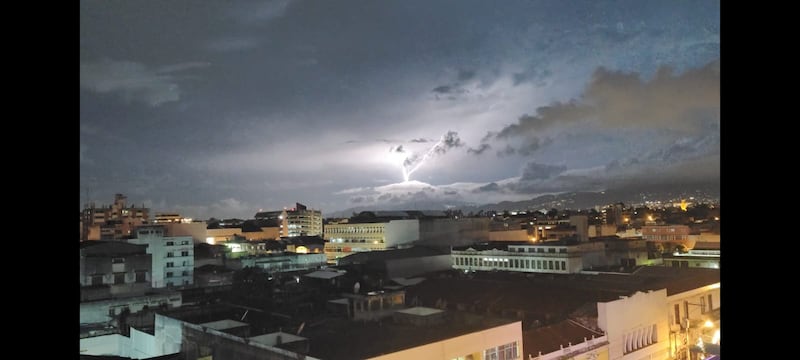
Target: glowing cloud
410 162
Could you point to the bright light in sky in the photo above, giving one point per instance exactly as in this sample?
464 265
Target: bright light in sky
241 106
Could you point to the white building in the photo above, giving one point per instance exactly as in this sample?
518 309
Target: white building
343 239
556 257
635 326
172 257
301 221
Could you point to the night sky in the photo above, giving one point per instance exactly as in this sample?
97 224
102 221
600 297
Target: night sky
222 108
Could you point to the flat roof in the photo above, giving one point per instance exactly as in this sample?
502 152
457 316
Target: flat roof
224 324
271 339
342 339
324 274
420 311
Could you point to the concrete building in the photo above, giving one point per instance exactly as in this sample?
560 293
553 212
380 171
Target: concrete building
631 315
401 263
667 235
195 229
693 258
116 221
112 268
104 311
552 257
280 262
172 256
302 221
636 326
376 233
445 231
412 333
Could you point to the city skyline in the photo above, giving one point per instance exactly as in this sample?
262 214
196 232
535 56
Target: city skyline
221 109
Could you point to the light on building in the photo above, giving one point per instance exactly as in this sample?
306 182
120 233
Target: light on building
708 324
210 240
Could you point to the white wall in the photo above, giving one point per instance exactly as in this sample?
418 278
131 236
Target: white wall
400 232
169 333
632 319
143 345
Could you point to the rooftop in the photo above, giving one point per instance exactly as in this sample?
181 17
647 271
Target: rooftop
370 339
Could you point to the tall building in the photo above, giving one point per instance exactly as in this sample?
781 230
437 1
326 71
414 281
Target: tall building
112 222
379 231
172 256
300 221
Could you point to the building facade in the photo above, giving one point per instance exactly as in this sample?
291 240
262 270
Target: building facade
113 268
534 258
172 256
116 221
343 239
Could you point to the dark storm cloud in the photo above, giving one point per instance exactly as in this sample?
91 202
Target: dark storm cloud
357 199
479 150
537 171
683 102
465 75
286 73
449 141
135 81
508 150
490 187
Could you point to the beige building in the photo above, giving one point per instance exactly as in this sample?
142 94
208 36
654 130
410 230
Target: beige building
553 257
343 239
301 221
116 221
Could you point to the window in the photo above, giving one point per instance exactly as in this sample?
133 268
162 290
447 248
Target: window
677 314
118 260
97 279
185 273
141 276
185 242
702 305
119 278
686 309
710 304
170 254
169 274
563 265
170 264
170 243
551 264
185 253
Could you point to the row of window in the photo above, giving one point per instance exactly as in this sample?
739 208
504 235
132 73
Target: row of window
172 264
172 274
502 352
539 250
352 230
119 278
511 263
183 253
172 243
706 305
640 338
